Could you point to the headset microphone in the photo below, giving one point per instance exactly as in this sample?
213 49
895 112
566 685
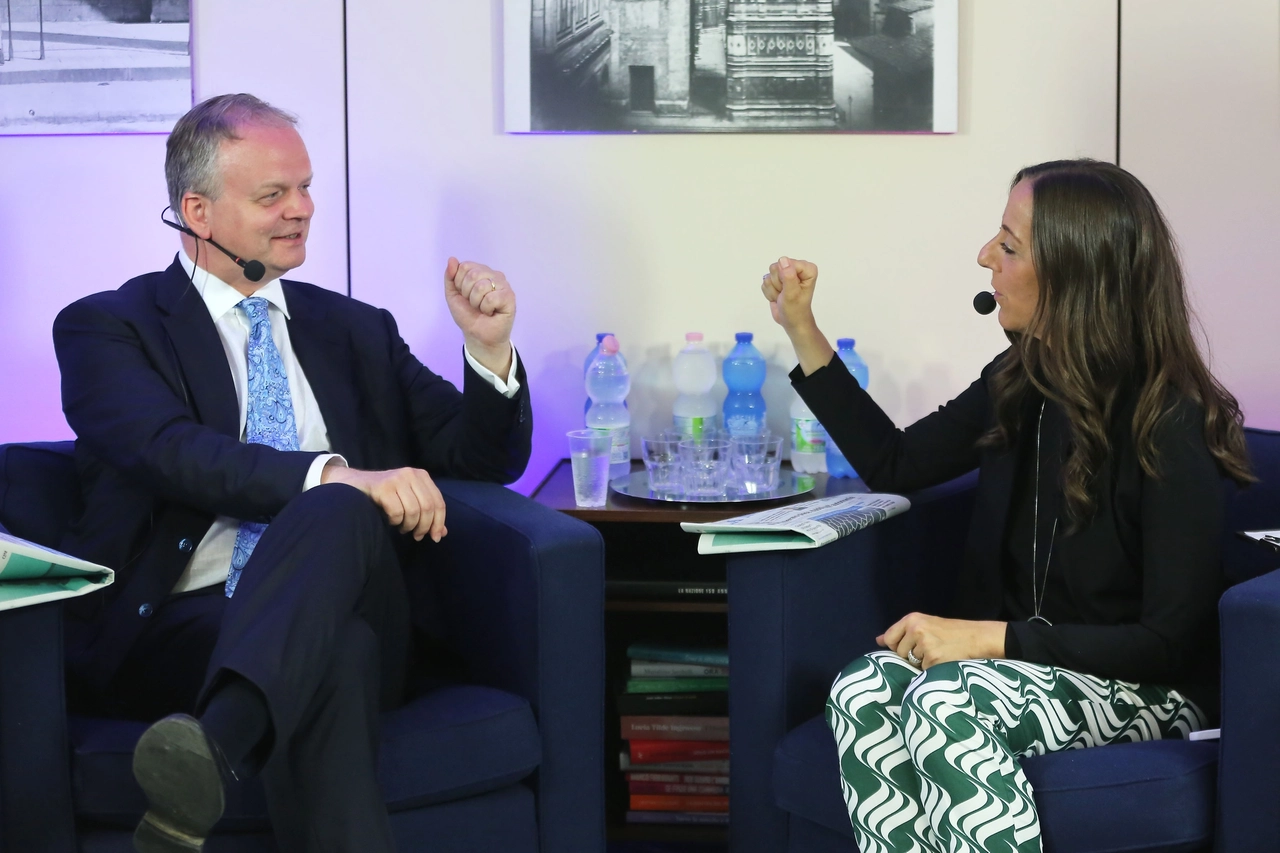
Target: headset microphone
983 303
253 270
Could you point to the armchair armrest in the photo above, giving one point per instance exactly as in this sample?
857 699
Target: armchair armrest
36 811
1248 788
521 590
797 618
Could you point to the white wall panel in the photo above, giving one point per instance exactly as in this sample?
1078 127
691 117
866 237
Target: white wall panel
1200 124
652 236
79 214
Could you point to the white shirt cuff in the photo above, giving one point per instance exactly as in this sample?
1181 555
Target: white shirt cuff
316 471
507 389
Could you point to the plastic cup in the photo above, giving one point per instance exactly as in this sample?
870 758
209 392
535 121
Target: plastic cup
757 463
705 467
662 462
589 454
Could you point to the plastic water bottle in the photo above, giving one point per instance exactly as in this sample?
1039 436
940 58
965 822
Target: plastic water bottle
837 465
808 440
744 374
591 356
607 385
695 412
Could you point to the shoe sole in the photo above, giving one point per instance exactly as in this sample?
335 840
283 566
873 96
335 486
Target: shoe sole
176 769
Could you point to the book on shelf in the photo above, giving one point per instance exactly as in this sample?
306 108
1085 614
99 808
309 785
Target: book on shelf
713 704
678 803
677 778
686 818
660 751
677 685
811 524
658 590
714 766
663 669
678 654
675 728
635 787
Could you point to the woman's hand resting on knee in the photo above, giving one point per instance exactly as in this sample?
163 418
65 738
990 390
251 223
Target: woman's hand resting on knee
924 640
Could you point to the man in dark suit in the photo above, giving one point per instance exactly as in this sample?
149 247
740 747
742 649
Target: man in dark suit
255 459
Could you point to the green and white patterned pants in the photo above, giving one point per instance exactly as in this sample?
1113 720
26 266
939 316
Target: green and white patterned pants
928 759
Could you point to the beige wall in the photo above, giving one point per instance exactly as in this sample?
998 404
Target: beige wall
1200 124
652 236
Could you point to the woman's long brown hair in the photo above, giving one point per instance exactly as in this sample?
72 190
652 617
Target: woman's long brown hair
1112 321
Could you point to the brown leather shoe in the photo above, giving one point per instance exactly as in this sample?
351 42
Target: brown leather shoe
176 766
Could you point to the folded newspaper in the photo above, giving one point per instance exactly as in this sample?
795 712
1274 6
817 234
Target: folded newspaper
811 524
32 574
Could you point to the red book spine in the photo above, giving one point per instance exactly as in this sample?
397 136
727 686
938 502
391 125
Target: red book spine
659 751
677 788
679 778
674 728
676 803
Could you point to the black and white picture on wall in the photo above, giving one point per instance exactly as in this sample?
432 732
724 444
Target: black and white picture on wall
715 66
94 66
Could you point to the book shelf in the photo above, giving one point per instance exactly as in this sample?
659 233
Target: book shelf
644 543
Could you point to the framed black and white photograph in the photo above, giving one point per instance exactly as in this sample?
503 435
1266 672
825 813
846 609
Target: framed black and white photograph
724 66
94 66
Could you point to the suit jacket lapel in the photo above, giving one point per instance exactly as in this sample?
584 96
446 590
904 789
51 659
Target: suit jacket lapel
201 359
324 352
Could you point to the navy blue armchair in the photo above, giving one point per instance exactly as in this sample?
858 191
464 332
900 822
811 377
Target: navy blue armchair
797 618
508 758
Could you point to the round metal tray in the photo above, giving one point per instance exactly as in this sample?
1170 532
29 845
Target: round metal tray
636 485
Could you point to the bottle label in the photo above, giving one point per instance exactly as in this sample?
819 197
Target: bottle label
808 436
696 427
744 425
621 441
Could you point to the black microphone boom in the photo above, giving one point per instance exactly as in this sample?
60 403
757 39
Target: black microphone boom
983 303
253 270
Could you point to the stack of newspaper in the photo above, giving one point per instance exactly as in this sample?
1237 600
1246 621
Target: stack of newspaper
32 574
811 524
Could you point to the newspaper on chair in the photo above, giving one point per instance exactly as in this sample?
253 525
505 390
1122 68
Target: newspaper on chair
32 574
811 524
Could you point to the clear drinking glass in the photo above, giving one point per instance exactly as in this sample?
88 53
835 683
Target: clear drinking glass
705 467
662 462
757 463
589 454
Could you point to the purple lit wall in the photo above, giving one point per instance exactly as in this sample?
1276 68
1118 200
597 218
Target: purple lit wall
653 236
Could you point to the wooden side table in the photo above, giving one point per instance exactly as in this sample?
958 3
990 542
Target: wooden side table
643 541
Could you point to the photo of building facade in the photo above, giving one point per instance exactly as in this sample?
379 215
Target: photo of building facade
732 65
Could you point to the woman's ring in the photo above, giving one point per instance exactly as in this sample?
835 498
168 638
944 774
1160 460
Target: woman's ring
912 659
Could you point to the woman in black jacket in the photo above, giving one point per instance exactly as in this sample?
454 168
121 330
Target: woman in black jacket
1086 611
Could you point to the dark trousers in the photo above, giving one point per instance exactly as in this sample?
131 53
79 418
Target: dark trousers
320 625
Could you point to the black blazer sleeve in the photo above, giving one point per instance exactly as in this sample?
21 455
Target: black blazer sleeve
936 448
124 397
1181 516
475 434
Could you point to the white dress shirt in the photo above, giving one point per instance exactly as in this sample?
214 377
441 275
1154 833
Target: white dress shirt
212 558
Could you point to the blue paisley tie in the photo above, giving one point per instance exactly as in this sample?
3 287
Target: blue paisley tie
268 416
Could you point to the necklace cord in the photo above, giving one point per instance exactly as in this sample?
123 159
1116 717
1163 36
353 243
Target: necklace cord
1038 598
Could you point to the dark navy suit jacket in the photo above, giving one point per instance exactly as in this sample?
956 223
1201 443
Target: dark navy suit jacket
147 389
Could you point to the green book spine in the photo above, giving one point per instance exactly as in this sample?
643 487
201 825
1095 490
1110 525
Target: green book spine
677 685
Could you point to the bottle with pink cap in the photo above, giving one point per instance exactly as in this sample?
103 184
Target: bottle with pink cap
695 410
607 385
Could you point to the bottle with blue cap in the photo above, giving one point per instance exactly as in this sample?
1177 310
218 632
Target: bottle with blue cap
744 369
837 465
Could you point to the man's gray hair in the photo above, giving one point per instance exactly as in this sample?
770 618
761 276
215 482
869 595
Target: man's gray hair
191 154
